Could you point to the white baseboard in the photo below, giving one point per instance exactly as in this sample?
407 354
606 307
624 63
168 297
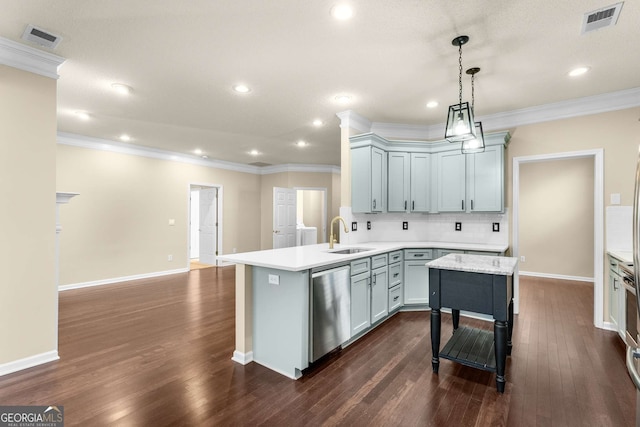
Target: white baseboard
121 279
28 362
242 358
556 276
609 326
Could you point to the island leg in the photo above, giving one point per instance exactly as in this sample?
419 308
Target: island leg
435 339
510 330
455 317
500 339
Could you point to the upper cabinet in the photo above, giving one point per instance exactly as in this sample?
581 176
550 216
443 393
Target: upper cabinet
410 176
471 182
368 179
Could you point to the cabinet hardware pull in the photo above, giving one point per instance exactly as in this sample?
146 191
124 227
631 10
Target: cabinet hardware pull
396 298
471 204
413 205
374 279
396 274
463 205
418 255
405 205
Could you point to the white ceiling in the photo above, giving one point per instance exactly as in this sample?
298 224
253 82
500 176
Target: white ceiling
182 59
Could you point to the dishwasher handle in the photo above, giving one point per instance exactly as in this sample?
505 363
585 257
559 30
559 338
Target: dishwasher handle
633 353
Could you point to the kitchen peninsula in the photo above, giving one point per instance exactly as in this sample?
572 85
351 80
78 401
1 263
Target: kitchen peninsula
274 302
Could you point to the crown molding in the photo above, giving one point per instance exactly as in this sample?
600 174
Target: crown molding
349 119
136 150
596 104
27 58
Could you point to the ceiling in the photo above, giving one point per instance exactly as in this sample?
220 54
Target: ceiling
392 57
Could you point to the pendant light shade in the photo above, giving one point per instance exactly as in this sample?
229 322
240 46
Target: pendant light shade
460 123
476 144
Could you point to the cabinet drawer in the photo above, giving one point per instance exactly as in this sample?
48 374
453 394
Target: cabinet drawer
613 266
395 274
443 252
361 265
395 298
378 261
417 254
482 253
395 256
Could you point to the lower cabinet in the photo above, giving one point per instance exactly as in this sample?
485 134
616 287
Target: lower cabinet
379 294
360 303
416 276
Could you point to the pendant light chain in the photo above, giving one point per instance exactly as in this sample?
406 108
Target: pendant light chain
473 101
460 72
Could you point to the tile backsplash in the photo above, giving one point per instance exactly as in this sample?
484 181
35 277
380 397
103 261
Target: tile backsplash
619 227
387 227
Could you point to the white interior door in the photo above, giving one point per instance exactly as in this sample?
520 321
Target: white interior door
208 220
194 224
284 217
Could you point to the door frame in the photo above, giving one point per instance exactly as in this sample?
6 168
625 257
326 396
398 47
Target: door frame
219 218
598 223
324 190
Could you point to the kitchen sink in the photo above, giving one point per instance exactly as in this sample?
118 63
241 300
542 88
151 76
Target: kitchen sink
349 251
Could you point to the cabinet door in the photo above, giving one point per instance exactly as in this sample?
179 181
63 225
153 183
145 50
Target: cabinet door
451 182
399 176
485 180
613 300
379 294
416 282
420 182
360 303
378 180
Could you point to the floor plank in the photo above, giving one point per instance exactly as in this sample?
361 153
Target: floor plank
157 352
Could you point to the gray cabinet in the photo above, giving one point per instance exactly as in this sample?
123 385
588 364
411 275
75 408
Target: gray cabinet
395 281
471 182
379 294
617 306
399 182
409 182
368 180
416 276
360 307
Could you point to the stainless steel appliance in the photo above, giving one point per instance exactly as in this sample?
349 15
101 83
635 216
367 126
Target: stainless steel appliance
633 352
631 306
330 310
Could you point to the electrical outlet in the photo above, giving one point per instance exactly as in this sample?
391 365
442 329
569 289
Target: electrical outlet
368 225
405 225
169 257
354 226
496 226
274 279
522 258
458 226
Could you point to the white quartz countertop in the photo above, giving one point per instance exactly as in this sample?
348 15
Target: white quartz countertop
299 258
504 266
624 256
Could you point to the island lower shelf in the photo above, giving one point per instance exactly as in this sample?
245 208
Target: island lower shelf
471 347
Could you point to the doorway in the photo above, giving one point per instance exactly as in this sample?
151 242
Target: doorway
297 209
598 222
205 214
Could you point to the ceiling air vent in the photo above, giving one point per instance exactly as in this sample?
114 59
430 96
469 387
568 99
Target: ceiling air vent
260 164
600 18
41 37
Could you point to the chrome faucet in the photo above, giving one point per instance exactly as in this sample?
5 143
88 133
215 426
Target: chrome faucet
332 237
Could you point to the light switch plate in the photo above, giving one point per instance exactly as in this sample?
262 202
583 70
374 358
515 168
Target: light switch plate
368 225
615 198
458 226
354 226
496 226
274 279
405 225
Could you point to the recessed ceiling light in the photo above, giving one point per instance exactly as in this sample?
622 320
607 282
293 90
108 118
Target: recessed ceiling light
205 156
82 115
124 137
343 99
318 122
342 12
197 151
301 143
254 152
120 88
432 104
240 88
578 71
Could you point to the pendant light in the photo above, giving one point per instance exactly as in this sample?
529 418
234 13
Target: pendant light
475 145
460 124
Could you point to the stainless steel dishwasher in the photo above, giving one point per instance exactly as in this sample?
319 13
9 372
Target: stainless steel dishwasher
330 310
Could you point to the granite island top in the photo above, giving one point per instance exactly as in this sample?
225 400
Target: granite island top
504 266
300 258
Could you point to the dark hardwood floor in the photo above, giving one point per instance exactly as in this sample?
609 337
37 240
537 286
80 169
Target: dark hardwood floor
158 352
